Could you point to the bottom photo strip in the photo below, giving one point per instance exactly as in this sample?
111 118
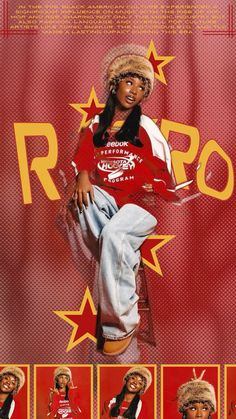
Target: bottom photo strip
118 391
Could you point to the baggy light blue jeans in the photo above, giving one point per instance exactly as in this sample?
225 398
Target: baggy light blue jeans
114 237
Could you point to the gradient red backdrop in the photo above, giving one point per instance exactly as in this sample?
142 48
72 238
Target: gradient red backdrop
111 381
22 398
81 377
42 268
174 376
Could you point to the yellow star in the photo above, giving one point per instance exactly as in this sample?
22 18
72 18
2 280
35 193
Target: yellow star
148 251
82 321
158 62
89 109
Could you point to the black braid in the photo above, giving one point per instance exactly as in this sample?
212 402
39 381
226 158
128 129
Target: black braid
5 409
100 137
115 411
131 411
129 130
67 391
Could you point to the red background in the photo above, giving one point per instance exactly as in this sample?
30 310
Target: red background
175 376
193 304
111 383
81 377
23 396
231 386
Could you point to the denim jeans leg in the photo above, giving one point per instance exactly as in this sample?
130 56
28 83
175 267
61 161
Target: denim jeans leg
119 242
95 217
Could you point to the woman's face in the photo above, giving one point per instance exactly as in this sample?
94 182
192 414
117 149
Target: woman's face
130 92
8 383
134 384
62 380
198 410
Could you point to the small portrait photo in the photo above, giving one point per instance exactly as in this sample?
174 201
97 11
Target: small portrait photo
14 391
127 391
63 391
190 391
230 391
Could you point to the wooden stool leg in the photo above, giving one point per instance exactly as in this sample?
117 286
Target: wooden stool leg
146 331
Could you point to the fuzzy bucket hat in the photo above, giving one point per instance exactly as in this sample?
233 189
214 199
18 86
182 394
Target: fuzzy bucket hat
18 373
143 372
131 63
196 391
62 371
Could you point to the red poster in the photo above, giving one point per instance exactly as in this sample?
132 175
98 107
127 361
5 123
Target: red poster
141 97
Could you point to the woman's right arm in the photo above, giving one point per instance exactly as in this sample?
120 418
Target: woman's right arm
83 190
105 413
52 402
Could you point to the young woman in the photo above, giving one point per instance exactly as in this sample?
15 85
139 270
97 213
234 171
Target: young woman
116 163
232 409
128 404
12 380
196 398
64 398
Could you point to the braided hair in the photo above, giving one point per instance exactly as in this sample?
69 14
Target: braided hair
130 128
5 409
67 390
131 411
